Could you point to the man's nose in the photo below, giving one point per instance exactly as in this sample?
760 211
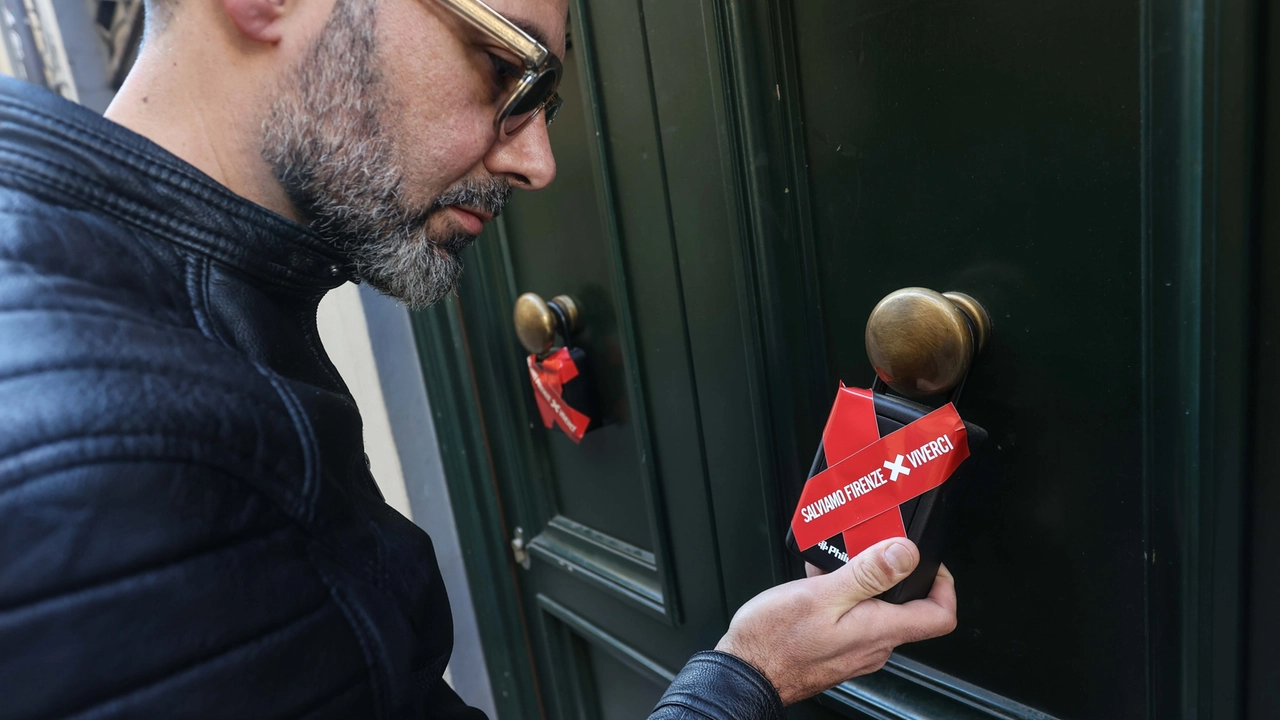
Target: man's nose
525 158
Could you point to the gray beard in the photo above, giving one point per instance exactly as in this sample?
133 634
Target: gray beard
328 148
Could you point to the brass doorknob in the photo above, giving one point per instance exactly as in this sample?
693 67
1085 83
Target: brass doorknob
537 320
921 342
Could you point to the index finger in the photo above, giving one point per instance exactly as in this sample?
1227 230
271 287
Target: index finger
943 591
928 617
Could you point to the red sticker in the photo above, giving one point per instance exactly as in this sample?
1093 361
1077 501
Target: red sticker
881 476
549 377
851 427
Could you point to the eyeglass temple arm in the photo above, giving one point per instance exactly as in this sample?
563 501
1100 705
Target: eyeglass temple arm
492 23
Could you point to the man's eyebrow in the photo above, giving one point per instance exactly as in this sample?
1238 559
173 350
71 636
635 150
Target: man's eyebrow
531 30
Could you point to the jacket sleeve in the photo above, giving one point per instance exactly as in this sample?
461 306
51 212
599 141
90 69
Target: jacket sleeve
719 686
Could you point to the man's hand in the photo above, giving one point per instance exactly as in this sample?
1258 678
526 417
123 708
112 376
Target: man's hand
813 634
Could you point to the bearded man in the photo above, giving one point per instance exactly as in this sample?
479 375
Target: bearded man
188 527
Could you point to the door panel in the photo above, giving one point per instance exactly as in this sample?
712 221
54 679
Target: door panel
559 244
994 149
622 561
599 507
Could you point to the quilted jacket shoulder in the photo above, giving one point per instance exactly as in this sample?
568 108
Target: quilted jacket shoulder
149 565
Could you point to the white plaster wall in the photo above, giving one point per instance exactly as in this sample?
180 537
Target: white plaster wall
345 335
344 331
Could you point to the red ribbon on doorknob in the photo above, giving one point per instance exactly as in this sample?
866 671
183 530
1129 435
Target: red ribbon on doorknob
537 324
549 376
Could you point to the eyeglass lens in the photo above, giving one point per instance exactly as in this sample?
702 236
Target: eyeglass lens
538 95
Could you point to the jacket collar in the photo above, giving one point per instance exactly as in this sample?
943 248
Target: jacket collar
70 155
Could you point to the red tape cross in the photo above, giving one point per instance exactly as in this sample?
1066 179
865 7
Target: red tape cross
851 427
548 378
878 478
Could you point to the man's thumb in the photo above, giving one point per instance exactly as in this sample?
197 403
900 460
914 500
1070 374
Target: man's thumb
875 570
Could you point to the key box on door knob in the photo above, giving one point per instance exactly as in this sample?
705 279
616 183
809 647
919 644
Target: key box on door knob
922 345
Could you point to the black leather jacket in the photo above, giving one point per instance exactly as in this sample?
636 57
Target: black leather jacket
188 527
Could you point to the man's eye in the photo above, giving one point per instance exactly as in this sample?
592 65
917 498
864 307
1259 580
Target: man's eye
503 70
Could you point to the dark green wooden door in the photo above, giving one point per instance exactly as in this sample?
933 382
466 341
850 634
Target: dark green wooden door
739 183
995 148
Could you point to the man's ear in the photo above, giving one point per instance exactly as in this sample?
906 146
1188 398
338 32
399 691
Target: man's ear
256 19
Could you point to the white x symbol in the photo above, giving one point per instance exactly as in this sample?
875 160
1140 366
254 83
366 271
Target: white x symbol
896 467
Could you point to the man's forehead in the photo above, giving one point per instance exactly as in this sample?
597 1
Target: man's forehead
543 20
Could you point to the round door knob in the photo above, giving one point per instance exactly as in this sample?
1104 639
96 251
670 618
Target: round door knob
921 342
538 320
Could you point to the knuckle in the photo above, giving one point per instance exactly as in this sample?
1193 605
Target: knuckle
949 624
870 577
804 600
930 627
937 624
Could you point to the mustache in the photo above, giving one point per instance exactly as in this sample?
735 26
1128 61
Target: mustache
489 195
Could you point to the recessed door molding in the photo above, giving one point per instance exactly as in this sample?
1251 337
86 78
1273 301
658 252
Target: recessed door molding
624 570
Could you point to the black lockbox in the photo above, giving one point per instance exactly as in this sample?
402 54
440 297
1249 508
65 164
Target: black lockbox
926 518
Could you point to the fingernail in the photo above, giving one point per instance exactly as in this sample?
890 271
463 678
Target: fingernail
898 557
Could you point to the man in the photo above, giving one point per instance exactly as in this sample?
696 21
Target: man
187 523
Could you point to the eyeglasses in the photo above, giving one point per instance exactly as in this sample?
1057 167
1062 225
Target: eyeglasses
528 92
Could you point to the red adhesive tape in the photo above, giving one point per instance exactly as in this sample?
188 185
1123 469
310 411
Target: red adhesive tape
859 494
